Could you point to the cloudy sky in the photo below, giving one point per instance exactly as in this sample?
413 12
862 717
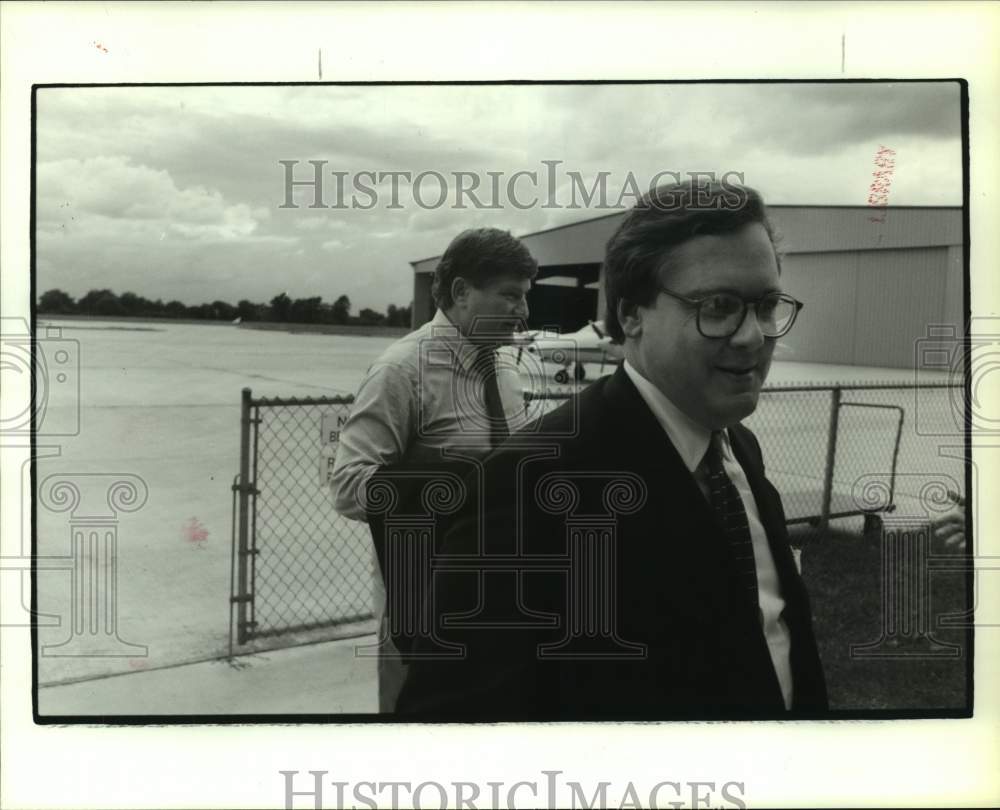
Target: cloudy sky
176 192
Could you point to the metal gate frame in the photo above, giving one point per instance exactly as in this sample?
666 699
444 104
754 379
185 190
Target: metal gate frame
244 551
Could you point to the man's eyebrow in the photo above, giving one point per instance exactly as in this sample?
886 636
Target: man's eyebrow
704 292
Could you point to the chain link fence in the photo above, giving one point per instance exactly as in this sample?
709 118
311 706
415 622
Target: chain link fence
862 450
297 564
834 453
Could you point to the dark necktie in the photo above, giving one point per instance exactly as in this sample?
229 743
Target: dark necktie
487 361
728 507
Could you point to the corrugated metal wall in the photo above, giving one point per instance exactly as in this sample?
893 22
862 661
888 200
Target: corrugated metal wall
953 311
817 229
423 304
869 307
827 284
900 292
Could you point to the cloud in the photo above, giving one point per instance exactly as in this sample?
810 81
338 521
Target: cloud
177 190
816 120
318 223
109 193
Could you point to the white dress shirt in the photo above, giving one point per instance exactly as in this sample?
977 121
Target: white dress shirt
420 397
691 441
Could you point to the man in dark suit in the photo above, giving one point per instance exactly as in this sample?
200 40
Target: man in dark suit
629 559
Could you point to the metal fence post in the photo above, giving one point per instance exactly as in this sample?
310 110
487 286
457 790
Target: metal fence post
831 456
243 551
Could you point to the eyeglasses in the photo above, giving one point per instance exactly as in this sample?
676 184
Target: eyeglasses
720 315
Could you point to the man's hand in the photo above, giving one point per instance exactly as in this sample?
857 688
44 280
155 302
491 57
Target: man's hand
949 528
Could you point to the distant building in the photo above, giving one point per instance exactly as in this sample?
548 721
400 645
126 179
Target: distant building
870 288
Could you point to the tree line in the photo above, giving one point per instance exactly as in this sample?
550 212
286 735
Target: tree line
281 308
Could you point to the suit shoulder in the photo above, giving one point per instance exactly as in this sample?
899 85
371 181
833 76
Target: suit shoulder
575 425
747 438
743 432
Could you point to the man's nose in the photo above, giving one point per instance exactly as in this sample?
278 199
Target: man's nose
749 334
521 310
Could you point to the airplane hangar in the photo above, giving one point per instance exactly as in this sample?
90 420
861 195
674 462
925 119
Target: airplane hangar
872 280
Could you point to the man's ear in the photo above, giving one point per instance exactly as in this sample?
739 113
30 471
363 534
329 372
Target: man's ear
630 318
459 290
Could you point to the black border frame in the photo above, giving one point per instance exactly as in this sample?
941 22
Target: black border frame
341 719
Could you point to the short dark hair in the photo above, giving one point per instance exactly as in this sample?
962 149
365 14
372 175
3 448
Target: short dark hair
661 220
480 255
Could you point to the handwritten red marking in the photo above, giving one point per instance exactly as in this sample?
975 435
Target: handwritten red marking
100 47
138 663
195 533
878 191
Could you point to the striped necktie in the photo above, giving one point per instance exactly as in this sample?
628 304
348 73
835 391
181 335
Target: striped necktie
487 362
728 507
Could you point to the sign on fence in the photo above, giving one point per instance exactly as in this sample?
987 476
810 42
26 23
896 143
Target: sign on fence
330 425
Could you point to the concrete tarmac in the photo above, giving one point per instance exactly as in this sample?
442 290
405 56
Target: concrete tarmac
323 678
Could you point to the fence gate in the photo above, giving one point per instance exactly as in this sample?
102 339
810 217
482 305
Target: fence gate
296 564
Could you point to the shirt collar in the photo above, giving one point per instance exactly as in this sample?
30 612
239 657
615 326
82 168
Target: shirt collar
690 439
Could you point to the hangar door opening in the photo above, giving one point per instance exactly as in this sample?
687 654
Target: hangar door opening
559 300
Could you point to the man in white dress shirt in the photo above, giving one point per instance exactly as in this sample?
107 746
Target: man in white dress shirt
438 394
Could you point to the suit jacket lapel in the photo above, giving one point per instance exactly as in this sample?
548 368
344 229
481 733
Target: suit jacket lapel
635 440
769 510
639 442
810 689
